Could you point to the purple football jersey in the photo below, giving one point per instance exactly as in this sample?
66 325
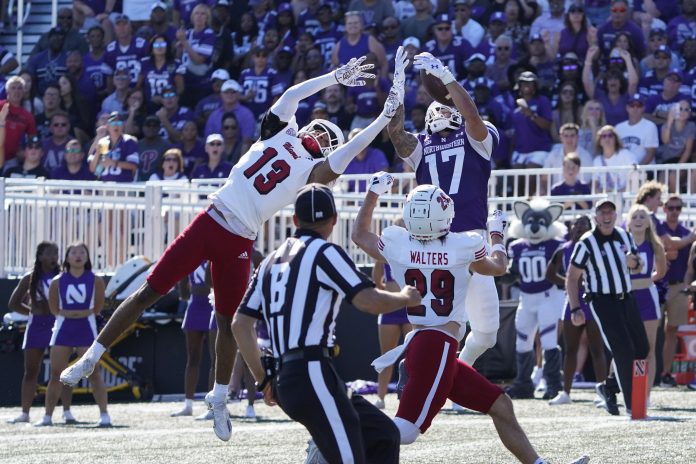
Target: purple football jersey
177 120
261 84
126 149
53 153
326 40
207 105
117 57
202 43
452 164
532 261
62 172
97 70
76 293
157 79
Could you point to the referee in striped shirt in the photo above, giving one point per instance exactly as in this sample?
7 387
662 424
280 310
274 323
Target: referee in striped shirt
606 254
298 291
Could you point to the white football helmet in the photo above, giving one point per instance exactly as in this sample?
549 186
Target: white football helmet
428 212
435 120
312 131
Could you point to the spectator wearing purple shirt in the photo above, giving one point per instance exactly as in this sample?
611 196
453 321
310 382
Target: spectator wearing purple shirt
192 148
683 26
197 43
451 49
74 166
612 89
85 85
326 35
151 147
531 121
172 116
213 101
368 161
126 51
619 21
680 239
160 70
93 62
116 158
657 107
47 66
574 34
54 146
571 184
215 168
231 93
257 83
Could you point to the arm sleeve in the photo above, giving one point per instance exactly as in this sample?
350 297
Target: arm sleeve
342 156
286 106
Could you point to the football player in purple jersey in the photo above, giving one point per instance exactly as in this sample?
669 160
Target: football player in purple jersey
455 154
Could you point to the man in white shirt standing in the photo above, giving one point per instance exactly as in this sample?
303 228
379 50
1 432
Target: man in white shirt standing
464 26
639 135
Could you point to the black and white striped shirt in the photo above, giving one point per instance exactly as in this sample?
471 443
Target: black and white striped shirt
604 260
298 291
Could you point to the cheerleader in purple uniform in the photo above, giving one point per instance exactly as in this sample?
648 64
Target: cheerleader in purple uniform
195 288
391 327
30 297
572 335
654 267
75 297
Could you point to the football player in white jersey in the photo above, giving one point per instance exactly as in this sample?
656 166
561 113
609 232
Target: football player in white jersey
439 264
264 180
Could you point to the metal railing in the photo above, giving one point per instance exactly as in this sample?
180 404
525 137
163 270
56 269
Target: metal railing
118 221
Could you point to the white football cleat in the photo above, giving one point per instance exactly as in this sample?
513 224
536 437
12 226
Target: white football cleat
561 398
222 425
184 412
379 403
581 460
81 369
208 415
68 417
22 418
104 420
46 421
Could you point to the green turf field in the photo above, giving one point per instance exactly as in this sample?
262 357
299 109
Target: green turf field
144 433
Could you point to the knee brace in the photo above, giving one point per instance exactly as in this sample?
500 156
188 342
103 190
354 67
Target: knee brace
476 344
408 430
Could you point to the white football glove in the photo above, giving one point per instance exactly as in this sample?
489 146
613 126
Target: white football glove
394 100
381 182
353 73
432 65
400 63
497 221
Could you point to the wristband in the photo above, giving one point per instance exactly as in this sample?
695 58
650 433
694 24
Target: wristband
495 233
575 310
499 247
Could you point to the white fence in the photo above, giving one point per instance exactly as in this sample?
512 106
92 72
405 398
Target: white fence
118 221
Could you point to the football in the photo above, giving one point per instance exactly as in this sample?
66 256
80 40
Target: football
435 88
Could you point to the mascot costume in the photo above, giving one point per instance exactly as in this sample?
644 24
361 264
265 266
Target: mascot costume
540 301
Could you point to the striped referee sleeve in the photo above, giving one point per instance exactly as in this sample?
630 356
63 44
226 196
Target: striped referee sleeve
340 273
580 255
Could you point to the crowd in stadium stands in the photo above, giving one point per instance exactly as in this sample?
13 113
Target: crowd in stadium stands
181 95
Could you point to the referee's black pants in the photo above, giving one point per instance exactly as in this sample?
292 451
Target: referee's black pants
346 430
624 334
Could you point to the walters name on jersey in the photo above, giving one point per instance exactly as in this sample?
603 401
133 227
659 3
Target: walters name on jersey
439 269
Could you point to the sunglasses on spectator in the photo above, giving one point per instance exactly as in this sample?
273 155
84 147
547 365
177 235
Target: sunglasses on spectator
607 135
169 95
73 150
442 28
215 144
618 9
503 49
229 127
685 110
159 45
171 159
115 123
60 124
575 9
570 67
674 208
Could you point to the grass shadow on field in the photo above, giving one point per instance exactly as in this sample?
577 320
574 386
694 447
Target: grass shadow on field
673 409
260 419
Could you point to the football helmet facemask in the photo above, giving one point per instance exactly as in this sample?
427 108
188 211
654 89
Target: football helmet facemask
311 133
436 120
